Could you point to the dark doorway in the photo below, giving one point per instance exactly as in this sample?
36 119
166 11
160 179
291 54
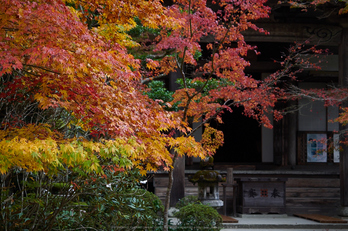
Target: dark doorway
242 139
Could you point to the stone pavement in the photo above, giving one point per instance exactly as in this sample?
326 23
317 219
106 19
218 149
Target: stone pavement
280 222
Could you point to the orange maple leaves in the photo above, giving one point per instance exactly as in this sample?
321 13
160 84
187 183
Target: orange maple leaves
61 63
74 67
52 54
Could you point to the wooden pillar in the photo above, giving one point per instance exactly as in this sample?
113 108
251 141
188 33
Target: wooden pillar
292 137
281 141
343 81
172 78
178 189
229 177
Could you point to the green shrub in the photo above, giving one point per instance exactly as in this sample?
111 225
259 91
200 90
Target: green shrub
113 201
196 217
187 200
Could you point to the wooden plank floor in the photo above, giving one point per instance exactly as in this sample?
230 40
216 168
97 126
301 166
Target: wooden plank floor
226 219
321 218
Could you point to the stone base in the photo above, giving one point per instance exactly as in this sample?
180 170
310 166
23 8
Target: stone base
213 203
343 211
242 215
171 211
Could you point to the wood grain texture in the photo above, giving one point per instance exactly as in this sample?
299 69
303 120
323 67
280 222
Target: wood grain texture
321 218
227 219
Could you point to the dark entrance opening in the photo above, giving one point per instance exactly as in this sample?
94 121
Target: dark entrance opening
242 138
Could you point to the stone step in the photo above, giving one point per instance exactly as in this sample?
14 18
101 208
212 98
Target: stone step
281 222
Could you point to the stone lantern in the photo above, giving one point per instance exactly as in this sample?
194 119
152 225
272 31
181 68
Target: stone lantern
208 187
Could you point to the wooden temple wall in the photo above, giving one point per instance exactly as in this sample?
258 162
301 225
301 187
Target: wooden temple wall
304 193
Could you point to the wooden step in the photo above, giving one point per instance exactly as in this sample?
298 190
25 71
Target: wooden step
227 219
321 218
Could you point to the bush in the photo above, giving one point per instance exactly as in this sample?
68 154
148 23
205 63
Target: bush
113 201
196 217
32 201
187 200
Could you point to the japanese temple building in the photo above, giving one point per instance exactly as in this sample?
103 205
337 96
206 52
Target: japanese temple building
314 183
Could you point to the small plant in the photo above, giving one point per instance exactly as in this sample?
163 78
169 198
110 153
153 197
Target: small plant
195 217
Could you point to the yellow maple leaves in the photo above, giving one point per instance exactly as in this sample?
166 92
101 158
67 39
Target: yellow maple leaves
29 155
212 139
37 148
117 34
115 18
